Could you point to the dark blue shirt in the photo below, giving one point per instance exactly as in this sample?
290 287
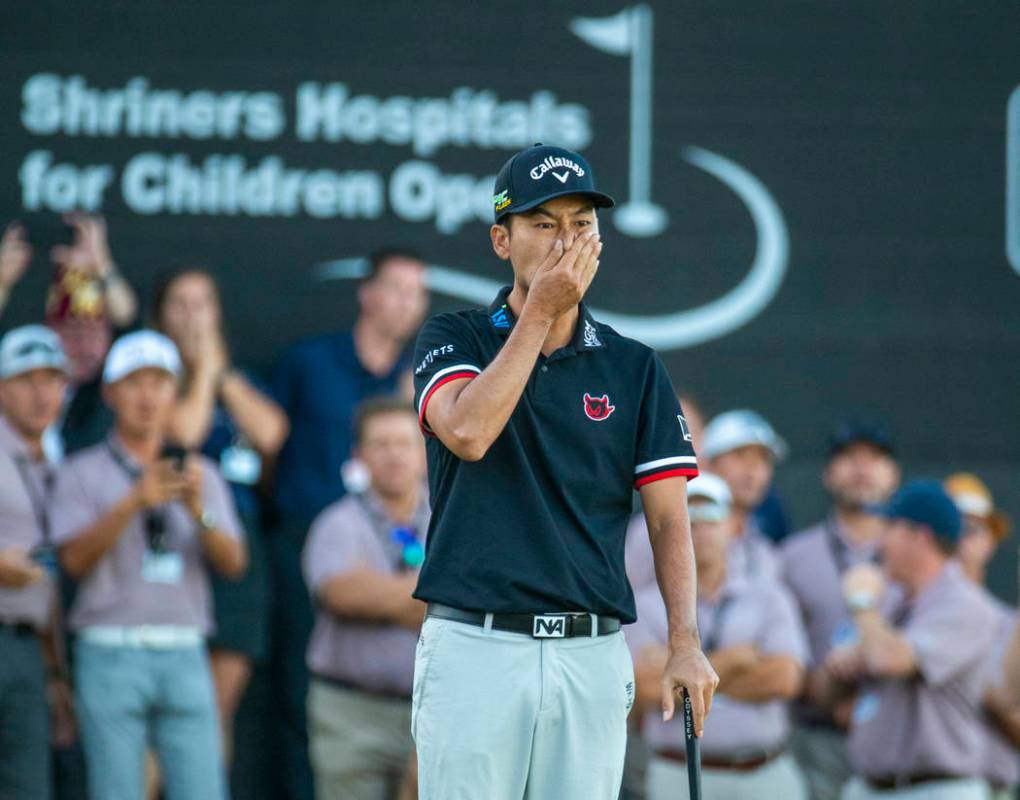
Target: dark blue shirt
319 383
538 524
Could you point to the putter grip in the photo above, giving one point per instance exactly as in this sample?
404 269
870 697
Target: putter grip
693 750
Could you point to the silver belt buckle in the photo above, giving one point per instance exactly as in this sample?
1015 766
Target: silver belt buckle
549 626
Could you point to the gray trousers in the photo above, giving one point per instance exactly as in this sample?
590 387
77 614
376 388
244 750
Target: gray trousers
822 755
359 743
24 720
502 716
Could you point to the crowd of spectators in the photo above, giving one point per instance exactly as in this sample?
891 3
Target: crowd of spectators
177 532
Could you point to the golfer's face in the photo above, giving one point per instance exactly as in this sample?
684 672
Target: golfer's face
534 233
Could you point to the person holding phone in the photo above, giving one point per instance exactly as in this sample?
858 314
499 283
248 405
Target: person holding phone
138 526
225 413
33 374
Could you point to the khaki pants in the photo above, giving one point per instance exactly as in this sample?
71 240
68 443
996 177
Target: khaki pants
359 743
822 756
965 789
778 780
503 716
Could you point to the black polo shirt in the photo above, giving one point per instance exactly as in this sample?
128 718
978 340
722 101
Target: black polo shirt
538 524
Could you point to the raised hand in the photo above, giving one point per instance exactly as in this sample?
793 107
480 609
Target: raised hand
89 250
563 278
15 255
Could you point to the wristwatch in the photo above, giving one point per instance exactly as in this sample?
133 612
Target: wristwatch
207 521
861 601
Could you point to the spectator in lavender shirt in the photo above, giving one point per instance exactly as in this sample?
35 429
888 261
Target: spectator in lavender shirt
361 565
984 528
753 638
743 449
137 525
231 419
33 374
860 472
917 727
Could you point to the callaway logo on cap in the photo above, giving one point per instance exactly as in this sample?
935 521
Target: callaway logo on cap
541 173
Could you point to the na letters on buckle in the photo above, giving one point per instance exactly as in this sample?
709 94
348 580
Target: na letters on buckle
549 626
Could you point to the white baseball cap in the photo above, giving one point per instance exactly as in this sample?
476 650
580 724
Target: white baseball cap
141 350
733 429
31 347
713 495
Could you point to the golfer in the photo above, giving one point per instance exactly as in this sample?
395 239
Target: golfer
540 423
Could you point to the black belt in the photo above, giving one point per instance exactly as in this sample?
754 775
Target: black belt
539 626
730 764
18 628
886 784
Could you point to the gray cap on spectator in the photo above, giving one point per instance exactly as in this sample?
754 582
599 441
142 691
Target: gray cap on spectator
141 350
733 429
31 347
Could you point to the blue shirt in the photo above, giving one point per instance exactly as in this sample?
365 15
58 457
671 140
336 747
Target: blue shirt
319 383
538 524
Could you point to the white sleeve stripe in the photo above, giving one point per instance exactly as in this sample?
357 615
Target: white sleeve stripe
665 462
439 375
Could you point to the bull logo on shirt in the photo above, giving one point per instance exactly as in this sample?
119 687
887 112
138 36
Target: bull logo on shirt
598 408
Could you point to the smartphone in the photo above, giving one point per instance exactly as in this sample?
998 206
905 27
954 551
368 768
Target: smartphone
175 453
44 230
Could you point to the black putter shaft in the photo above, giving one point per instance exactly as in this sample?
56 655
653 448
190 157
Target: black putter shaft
693 750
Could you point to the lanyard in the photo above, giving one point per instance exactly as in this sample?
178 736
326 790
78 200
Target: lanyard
838 548
38 503
401 543
710 642
155 518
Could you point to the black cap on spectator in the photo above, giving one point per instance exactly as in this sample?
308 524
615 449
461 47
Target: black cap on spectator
855 432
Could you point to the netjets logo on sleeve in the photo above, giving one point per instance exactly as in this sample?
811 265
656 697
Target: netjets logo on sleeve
559 167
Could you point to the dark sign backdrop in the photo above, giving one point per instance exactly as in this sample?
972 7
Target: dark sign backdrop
815 217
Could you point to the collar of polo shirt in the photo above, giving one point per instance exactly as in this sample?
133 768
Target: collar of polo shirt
502 320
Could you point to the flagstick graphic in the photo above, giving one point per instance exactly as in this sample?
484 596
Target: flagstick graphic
630 33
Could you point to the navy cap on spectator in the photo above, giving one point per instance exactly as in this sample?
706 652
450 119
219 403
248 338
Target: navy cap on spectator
30 347
925 502
540 173
853 432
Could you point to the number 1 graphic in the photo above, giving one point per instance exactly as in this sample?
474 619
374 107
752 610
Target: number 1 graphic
630 33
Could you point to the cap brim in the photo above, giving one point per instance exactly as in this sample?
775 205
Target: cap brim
600 200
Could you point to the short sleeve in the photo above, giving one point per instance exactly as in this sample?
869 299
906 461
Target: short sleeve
334 545
71 509
445 352
664 448
784 633
948 640
650 627
219 501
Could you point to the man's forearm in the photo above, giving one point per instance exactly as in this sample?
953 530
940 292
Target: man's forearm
886 653
79 555
370 596
772 678
227 555
675 573
484 406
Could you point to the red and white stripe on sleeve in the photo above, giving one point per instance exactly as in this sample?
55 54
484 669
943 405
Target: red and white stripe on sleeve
441 378
672 467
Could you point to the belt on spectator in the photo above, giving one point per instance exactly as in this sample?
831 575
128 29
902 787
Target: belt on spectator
143 637
565 625
340 683
730 764
18 628
892 782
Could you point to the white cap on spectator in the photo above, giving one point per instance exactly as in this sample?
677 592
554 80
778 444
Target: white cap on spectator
141 350
733 429
713 496
30 347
